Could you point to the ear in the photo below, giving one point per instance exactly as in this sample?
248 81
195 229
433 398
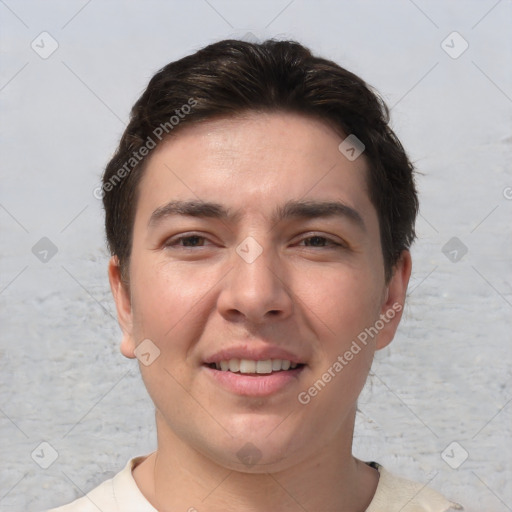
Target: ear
123 305
394 300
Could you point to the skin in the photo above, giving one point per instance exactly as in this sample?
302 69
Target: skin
303 294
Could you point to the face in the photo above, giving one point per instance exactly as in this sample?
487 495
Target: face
257 274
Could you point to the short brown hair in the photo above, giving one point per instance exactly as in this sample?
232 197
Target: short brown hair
231 77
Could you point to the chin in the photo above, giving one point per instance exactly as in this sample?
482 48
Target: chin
262 449
256 459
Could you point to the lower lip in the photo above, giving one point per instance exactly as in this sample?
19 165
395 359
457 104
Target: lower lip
255 385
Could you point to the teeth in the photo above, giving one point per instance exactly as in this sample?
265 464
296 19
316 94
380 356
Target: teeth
276 364
264 366
250 366
247 366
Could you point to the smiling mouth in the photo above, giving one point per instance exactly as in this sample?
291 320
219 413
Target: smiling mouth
252 367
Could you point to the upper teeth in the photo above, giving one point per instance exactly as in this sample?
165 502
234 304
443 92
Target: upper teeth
249 366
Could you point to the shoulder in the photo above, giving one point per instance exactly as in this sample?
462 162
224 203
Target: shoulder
399 494
101 497
118 494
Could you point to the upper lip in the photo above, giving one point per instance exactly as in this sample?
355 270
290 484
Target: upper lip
253 352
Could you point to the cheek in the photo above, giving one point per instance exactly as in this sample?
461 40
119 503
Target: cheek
343 302
342 311
164 293
168 305
167 301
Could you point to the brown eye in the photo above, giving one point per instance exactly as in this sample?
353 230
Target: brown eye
188 241
192 241
318 241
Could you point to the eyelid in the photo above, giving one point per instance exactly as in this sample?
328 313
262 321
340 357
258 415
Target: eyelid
334 240
173 241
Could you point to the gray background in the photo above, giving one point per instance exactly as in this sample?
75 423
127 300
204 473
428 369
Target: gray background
446 377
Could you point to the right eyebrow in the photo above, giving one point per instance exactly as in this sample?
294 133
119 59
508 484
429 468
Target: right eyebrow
191 209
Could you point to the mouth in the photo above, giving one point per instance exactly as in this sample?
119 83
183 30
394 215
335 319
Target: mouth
254 367
255 378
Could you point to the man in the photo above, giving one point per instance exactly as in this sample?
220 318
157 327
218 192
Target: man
259 212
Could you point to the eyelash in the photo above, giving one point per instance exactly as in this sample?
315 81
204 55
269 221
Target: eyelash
174 242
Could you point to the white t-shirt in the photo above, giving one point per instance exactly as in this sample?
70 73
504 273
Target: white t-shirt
393 494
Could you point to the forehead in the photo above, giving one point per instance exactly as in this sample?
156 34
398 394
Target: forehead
254 163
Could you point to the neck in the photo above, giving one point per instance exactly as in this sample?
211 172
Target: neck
178 477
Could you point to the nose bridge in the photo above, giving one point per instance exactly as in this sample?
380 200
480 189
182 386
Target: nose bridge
256 266
256 286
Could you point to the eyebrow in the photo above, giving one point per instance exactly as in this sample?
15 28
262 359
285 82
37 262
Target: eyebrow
290 210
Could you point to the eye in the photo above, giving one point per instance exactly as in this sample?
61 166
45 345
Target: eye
321 242
186 241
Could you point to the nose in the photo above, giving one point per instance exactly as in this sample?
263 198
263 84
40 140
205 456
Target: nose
256 289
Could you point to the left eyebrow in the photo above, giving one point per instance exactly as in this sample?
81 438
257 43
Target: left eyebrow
314 209
291 209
